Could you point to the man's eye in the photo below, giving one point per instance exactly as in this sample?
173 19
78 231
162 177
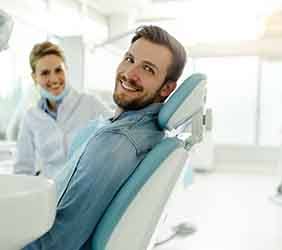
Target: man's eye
129 59
149 69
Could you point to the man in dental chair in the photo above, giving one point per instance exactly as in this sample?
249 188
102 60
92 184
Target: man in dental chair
146 76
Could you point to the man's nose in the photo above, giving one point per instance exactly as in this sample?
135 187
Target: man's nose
133 72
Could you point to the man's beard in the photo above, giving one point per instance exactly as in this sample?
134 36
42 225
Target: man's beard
138 102
133 104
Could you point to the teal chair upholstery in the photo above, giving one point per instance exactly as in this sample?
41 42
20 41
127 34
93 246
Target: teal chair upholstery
131 220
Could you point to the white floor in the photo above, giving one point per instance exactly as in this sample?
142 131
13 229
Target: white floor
231 212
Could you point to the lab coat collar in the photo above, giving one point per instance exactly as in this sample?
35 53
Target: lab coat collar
67 106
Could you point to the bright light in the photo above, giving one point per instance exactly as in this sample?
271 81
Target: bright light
220 21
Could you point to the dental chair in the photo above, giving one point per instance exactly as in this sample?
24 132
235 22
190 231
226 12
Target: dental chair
132 219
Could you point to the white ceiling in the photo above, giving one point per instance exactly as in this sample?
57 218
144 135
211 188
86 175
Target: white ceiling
108 7
160 9
197 22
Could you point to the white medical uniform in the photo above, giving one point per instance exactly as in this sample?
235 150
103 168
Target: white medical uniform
44 142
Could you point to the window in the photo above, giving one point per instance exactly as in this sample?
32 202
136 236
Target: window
15 73
100 69
232 91
271 104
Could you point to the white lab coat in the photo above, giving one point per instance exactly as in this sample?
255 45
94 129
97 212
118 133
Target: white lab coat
43 142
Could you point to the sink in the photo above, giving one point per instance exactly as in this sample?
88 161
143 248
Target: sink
27 209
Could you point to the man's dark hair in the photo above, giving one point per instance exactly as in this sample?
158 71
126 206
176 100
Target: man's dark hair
158 35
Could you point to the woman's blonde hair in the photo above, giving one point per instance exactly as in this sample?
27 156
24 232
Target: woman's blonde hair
42 49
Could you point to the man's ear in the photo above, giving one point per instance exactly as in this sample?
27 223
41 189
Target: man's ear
167 89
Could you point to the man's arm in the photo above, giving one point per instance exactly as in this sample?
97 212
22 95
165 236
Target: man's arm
106 163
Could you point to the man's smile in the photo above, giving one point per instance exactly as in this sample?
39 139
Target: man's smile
128 86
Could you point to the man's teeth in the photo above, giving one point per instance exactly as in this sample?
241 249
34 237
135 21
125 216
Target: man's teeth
125 86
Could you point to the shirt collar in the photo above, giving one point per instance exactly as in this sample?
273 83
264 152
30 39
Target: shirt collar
43 105
153 108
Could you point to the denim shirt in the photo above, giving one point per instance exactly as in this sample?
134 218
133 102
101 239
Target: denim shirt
100 165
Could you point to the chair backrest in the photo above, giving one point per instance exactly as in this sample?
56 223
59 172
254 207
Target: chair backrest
130 221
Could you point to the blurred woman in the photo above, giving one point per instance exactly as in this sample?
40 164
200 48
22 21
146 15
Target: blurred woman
48 128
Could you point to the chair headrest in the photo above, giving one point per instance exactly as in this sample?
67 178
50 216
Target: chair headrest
184 102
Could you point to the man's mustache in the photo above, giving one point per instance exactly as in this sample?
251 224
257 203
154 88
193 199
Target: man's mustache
132 82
